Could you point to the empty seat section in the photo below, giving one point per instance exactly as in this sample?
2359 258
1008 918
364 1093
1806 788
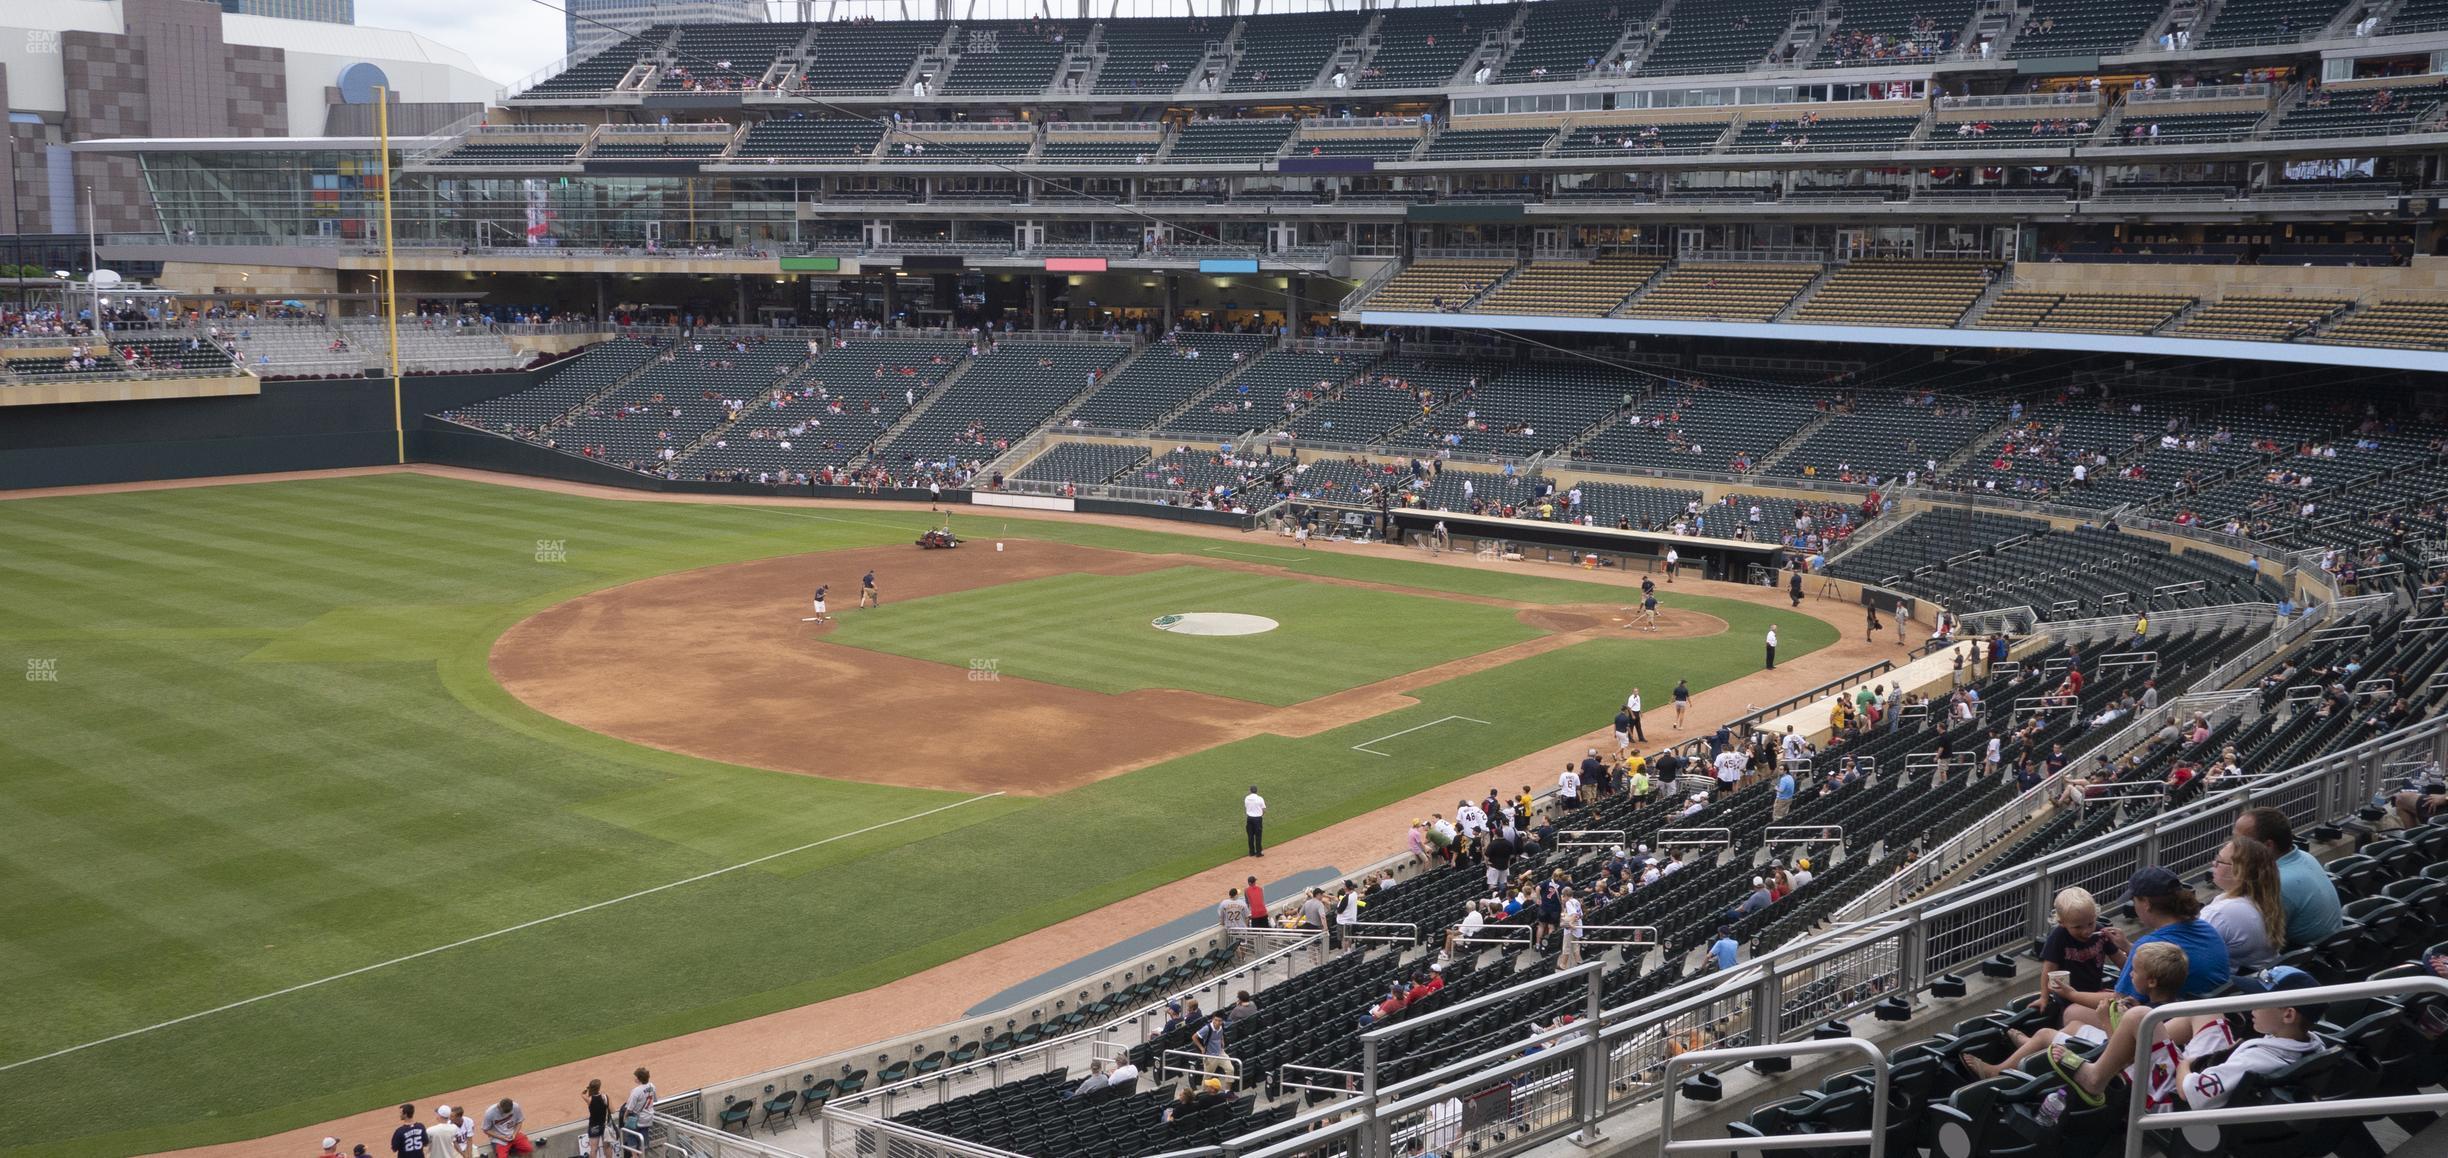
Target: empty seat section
812 138
1825 134
1885 438
597 74
1267 394
926 144
1624 139
567 385
1893 31
1289 51
2081 27
1699 429
522 155
727 57
1897 292
845 399
2415 325
1586 289
1164 376
1383 146
1006 58
2259 319
1084 463
1465 144
2248 22
1153 56
867 57
1394 394
2044 132
1002 396
2360 112
1529 408
2087 313
1727 292
1560 38
1238 140
1424 47
1437 285
2143 125
1717 36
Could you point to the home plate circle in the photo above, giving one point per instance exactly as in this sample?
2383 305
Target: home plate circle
1213 623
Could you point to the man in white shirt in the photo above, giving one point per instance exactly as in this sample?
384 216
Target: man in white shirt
1253 809
1473 820
1795 745
1123 1077
443 1139
1771 647
1801 874
1731 764
1568 786
1673 561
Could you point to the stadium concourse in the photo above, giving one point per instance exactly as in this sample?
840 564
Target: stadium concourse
943 994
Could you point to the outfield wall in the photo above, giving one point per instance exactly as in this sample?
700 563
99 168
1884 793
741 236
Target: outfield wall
290 426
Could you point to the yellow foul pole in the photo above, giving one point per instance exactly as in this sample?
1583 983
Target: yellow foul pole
390 268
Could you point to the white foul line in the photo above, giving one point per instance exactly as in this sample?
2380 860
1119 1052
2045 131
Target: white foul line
1364 747
1244 555
487 936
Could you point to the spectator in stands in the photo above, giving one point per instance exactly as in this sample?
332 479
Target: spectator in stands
2169 913
1124 1076
1759 899
1233 916
2312 911
2250 913
1242 1009
1097 1079
2161 970
1724 953
1210 1042
502 1122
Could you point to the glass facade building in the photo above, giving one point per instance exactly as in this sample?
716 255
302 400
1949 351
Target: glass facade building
326 11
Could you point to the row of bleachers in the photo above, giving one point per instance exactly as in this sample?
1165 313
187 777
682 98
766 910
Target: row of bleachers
1437 285
2360 112
1561 38
1267 394
1167 374
1004 394
730 56
1625 139
1380 146
1084 463
867 57
2001 133
1230 140
599 73
847 397
1423 47
2417 325
813 138
1530 408
2255 318
1705 429
2083 27
1724 292
1825 134
1153 55
2146 126
2088 313
1208 472
1717 36
1885 438
1586 289
541 153
2267 21
1394 394
1897 292
566 385
680 395
1004 58
1469 144
1289 51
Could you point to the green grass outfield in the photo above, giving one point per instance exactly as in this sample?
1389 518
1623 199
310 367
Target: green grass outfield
1092 631
271 754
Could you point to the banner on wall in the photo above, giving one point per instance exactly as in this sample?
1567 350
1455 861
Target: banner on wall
539 212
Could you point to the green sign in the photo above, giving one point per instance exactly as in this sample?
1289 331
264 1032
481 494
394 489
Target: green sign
811 265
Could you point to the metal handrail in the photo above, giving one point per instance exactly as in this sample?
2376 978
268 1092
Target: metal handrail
2139 1121
1875 1137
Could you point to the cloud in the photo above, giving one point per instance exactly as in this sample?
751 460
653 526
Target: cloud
507 38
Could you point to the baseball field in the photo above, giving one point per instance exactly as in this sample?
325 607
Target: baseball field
328 793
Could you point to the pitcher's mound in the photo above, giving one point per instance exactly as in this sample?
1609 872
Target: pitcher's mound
1213 623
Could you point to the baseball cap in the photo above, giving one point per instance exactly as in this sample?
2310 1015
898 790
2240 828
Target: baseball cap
331 1143
1803 864
1758 881
2279 978
442 1111
2151 881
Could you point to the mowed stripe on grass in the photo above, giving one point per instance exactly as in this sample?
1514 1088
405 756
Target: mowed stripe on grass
216 801
1095 632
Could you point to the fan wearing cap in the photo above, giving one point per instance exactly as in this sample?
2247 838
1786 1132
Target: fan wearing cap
2168 911
442 1138
2160 971
2286 1038
1759 899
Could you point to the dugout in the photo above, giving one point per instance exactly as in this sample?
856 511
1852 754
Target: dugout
1537 539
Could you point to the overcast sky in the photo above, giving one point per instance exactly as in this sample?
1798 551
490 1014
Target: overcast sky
508 38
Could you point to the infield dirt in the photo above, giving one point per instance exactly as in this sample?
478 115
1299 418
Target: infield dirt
717 663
